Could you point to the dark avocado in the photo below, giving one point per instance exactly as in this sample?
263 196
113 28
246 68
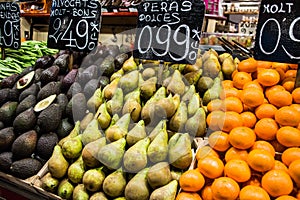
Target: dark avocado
10 81
49 89
76 108
49 119
26 103
24 121
7 137
50 74
87 74
45 145
24 145
90 88
8 112
120 59
74 89
62 101
107 67
37 75
32 90
113 50
44 62
69 79
6 159
64 128
62 62
103 81
25 80
25 168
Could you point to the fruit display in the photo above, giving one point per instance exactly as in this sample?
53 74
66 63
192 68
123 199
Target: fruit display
16 60
36 111
251 149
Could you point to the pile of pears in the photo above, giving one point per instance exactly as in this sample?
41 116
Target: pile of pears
136 137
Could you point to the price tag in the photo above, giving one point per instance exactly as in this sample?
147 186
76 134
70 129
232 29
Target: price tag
169 30
74 25
10 25
278 31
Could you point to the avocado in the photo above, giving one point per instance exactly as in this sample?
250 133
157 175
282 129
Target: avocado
9 81
49 89
43 104
120 59
69 79
24 145
62 61
25 168
76 108
24 121
8 112
7 137
6 159
8 94
90 88
44 62
87 74
49 119
64 128
26 103
32 90
62 101
37 75
25 81
50 74
74 89
45 145
103 81
113 50
107 67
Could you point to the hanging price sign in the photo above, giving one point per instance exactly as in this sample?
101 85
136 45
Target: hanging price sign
10 25
278 31
169 30
74 25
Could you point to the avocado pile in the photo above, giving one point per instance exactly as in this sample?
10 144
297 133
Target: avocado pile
134 136
36 106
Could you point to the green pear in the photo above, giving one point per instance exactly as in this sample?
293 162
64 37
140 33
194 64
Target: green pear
103 116
211 67
98 196
95 101
135 158
138 132
176 174
162 125
204 83
132 107
189 93
129 65
75 132
148 73
65 189
148 88
90 151
159 175
111 154
128 82
86 120
118 130
109 90
135 95
193 77
91 133
180 150
158 149
76 170
93 179
168 191
191 68
193 104
196 125
49 183
176 85
141 79
114 119
117 74
213 92
57 164
80 193
114 184
71 148
179 119
116 103
165 107
137 188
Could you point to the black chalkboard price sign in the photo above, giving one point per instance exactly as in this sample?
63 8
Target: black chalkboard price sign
74 24
278 31
169 30
10 25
